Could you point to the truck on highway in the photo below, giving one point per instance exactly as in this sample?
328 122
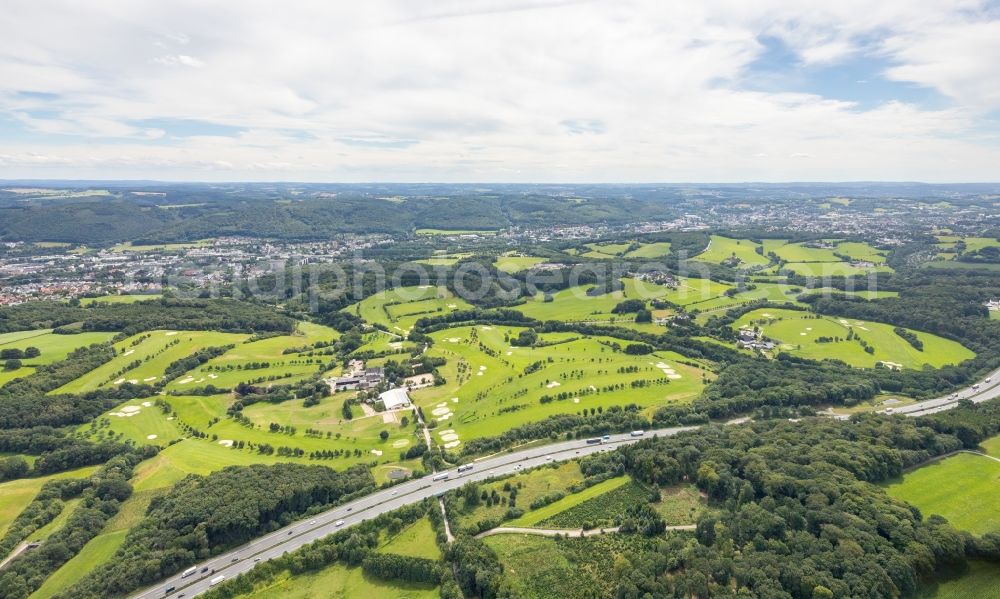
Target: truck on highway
637 433
217 580
988 380
593 441
189 572
465 468
976 386
442 476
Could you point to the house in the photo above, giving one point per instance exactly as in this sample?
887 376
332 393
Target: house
394 399
360 378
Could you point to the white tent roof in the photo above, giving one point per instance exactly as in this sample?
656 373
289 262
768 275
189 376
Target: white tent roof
395 398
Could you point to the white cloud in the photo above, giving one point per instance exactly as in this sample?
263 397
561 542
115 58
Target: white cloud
485 90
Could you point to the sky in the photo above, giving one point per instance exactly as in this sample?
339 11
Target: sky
490 91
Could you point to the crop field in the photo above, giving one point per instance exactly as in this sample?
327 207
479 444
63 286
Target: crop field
143 358
493 386
442 259
514 264
16 494
721 249
801 252
264 360
567 512
963 488
119 299
400 308
530 486
800 332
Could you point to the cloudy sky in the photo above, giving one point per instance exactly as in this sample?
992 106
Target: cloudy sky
516 90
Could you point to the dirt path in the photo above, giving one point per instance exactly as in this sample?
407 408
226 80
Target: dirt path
571 532
17 551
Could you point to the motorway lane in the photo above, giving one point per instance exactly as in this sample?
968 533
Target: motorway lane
321 525
987 390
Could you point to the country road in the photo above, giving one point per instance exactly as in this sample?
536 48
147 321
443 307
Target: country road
570 532
290 538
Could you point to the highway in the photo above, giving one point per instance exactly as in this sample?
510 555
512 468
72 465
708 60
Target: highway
292 537
988 388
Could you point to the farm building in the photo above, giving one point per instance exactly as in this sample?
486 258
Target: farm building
394 399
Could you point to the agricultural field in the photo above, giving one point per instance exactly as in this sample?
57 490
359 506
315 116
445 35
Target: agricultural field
264 360
143 358
722 249
119 299
963 488
493 386
512 264
828 259
400 308
800 334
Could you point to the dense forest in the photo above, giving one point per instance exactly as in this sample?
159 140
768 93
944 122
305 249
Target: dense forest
798 514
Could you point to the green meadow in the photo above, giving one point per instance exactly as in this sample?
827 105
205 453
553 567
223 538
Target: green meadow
398 309
271 358
119 299
534 517
53 347
799 333
16 494
512 264
721 249
963 488
143 358
493 386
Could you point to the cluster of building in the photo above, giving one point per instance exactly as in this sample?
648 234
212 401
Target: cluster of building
357 377
748 338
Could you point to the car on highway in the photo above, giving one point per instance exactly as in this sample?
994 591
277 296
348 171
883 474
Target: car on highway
312 522
339 523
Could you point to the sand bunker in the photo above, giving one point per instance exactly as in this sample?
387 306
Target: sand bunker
377 452
450 437
118 382
150 437
400 443
147 404
148 379
169 333
129 352
185 380
452 444
226 442
552 385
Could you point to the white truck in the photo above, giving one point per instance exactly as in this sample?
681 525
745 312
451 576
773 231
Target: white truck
637 433
189 572
437 477
217 580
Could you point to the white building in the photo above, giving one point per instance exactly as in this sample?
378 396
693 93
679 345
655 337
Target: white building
393 399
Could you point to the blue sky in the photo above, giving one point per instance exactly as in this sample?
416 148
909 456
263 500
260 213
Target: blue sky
482 90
